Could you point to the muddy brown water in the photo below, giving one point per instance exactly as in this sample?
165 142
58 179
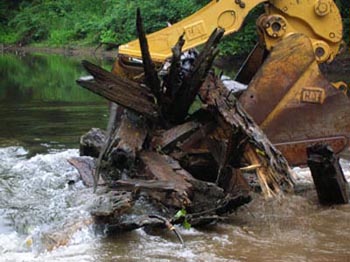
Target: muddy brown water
43 113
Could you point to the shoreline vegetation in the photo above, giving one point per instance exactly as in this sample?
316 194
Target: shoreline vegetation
93 28
77 25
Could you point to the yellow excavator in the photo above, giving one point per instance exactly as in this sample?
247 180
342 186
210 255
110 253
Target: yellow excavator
287 95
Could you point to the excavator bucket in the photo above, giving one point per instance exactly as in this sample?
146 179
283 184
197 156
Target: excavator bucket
295 104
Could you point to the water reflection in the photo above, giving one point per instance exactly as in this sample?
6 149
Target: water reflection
41 106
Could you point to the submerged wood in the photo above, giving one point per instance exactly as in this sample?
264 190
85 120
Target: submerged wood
328 176
92 142
85 166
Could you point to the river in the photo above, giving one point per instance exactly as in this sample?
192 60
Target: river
43 113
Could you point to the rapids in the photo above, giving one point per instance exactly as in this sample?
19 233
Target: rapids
36 202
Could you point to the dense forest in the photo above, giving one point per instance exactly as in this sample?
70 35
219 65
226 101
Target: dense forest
57 23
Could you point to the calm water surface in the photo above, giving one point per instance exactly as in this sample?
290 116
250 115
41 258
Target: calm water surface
42 115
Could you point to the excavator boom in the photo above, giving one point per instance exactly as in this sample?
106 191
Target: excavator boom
320 20
227 14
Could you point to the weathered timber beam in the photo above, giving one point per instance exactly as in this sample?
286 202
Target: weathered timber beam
328 176
259 150
193 81
86 167
203 63
197 142
233 182
209 51
119 90
165 192
151 75
112 203
173 81
174 135
227 146
127 141
160 167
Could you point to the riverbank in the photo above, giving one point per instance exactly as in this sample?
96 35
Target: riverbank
66 51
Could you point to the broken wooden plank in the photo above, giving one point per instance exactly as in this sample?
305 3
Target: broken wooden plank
151 75
158 167
260 151
174 135
120 90
173 80
233 182
267 181
196 143
193 80
166 192
86 167
121 147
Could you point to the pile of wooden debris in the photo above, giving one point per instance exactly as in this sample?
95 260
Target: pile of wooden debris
157 159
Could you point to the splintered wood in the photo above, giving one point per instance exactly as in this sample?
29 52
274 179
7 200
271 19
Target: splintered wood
169 160
272 168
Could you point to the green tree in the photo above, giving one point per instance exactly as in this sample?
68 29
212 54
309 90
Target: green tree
344 7
89 22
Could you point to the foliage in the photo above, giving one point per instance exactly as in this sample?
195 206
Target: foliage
345 12
64 22
89 22
8 37
181 214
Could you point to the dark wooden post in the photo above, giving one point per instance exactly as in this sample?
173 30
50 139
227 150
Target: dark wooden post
328 176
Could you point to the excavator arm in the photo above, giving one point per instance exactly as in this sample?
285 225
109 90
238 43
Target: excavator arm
227 14
287 95
320 20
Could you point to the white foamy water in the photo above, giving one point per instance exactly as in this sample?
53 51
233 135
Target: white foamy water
36 205
303 175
